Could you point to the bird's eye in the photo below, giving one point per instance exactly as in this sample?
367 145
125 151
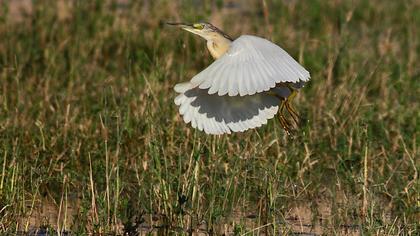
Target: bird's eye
198 26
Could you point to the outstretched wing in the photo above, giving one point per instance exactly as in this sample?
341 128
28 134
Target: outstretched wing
251 65
222 114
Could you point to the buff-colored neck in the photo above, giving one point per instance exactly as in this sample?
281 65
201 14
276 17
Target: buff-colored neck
218 45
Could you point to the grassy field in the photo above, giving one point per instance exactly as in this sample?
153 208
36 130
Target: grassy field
91 141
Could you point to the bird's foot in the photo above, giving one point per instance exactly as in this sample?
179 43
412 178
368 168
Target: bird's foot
285 124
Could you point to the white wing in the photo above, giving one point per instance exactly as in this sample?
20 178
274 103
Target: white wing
251 65
222 114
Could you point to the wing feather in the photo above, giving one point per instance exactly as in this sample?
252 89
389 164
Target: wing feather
233 89
216 81
241 82
251 65
222 114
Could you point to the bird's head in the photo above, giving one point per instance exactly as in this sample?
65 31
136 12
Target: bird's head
203 29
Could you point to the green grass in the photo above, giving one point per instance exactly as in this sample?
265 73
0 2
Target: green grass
88 126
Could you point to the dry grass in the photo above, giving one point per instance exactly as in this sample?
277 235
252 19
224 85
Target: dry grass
88 126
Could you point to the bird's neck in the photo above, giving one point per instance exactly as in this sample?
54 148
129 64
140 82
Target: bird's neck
218 45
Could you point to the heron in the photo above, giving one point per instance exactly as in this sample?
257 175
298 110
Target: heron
250 81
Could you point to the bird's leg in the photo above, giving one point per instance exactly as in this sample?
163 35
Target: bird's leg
283 121
289 106
286 125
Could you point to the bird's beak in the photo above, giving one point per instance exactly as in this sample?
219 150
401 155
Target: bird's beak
184 26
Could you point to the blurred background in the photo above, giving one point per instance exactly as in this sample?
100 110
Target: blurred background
91 141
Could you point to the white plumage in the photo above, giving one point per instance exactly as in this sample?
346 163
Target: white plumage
235 93
251 65
222 114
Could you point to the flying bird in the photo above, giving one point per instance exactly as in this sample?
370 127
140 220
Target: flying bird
250 81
